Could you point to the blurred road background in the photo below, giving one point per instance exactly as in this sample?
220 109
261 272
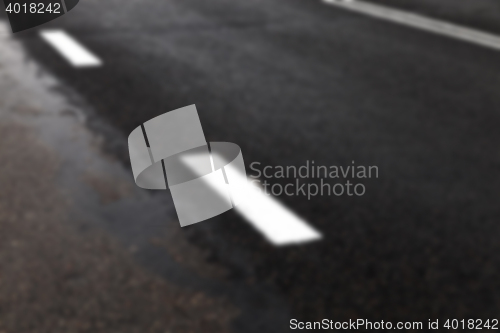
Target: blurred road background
288 81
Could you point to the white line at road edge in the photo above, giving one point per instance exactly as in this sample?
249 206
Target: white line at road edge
70 49
420 22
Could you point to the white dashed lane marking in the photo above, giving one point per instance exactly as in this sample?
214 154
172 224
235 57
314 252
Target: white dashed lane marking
278 224
75 53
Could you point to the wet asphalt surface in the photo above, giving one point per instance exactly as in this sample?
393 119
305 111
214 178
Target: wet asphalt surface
290 81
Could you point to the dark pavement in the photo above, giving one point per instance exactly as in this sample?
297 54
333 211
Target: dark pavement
290 81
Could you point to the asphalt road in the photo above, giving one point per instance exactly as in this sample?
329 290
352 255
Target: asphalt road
295 80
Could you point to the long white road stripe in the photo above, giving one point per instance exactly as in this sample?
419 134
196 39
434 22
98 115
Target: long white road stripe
70 49
420 22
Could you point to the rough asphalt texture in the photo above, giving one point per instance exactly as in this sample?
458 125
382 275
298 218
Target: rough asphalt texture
296 80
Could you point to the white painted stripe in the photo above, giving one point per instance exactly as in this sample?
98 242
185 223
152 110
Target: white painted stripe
420 22
272 219
70 49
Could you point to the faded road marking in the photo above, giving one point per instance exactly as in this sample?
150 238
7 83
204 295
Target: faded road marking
420 22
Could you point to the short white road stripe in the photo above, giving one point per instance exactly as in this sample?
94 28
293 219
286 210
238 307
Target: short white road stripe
70 49
420 22
278 224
